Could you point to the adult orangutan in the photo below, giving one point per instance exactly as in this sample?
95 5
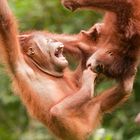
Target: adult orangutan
118 51
119 35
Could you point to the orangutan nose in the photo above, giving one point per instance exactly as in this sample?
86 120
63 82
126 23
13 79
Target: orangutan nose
95 66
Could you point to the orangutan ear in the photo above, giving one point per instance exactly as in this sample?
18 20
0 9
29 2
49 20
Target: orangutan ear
30 51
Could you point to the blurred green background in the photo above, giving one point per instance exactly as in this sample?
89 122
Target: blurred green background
14 121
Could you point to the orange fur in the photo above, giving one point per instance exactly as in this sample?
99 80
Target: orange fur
64 103
119 35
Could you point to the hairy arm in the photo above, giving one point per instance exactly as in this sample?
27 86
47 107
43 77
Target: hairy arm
82 96
76 43
112 97
109 5
8 36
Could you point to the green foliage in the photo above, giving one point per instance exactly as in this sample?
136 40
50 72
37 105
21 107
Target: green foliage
42 14
50 15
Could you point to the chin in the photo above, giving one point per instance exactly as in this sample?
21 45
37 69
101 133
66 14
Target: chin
62 65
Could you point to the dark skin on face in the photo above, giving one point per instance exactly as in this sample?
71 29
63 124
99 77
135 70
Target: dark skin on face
61 99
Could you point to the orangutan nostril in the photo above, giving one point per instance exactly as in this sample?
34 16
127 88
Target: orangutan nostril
88 65
99 68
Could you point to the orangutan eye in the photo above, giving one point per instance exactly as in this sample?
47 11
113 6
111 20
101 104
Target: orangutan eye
110 53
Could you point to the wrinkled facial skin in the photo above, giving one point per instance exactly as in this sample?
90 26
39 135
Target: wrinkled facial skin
113 59
45 53
100 59
105 61
54 49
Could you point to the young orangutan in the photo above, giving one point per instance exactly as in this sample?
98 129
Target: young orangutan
59 98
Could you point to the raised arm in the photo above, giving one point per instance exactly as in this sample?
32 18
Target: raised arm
78 44
112 97
79 98
109 5
8 36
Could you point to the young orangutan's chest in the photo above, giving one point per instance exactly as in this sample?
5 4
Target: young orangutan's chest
43 85
53 90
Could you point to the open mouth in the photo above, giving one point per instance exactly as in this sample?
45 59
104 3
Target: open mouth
59 53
